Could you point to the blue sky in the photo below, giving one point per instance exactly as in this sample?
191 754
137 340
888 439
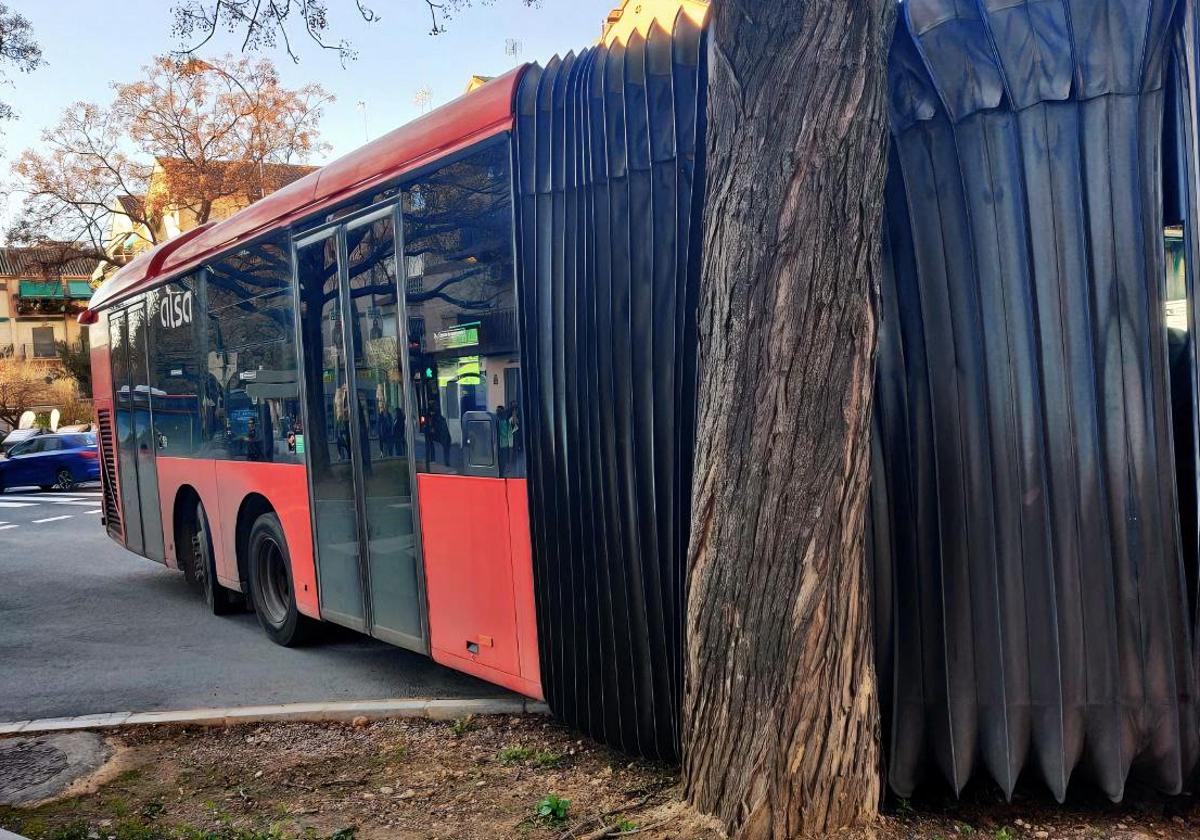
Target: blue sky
89 44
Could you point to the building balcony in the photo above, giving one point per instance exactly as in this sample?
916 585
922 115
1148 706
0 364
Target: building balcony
51 297
30 352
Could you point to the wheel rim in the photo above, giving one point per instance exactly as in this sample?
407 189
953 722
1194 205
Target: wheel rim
273 587
64 480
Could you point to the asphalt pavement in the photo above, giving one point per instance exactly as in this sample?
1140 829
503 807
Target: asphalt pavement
87 627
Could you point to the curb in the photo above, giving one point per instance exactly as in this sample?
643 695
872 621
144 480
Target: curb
8 835
309 712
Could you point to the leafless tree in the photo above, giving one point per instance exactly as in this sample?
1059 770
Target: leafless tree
269 24
23 385
18 50
214 129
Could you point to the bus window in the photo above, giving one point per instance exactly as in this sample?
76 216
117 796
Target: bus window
460 294
176 374
250 367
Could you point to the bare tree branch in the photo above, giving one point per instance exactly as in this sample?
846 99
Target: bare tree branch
18 49
188 135
264 26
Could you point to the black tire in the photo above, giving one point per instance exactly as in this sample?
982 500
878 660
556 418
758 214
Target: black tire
272 591
63 480
202 568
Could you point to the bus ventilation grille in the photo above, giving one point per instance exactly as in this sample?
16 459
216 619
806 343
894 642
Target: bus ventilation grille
108 474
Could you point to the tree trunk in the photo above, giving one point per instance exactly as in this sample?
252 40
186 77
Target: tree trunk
780 708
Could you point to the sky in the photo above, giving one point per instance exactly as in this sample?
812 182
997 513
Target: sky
89 44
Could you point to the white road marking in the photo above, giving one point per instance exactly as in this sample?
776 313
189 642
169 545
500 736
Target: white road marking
6 527
51 519
97 510
43 497
17 504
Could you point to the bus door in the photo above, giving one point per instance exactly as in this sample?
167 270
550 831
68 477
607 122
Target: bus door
360 464
135 432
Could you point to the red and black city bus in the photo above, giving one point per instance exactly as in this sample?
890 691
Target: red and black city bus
444 391
326 407
341 403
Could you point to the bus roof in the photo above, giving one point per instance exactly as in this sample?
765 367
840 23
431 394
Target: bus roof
475 116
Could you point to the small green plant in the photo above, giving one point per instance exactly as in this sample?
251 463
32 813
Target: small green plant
515 755
625 826
462 726
72 831
348 833
153 809
544 759
134 830
966 828
1004 833
553 809
905 809
117 805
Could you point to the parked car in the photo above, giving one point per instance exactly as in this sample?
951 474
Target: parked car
46 461
17 435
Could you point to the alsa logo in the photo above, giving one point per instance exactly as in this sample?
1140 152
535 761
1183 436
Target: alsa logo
176 309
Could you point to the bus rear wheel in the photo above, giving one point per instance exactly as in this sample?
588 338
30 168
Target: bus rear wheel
271 587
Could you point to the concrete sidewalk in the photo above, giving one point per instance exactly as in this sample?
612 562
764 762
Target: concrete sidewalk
444 709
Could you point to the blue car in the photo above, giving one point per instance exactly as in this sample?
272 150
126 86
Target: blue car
45 461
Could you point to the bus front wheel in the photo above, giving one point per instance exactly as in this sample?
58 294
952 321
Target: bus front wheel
271 588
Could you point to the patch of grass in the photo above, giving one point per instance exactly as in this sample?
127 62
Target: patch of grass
134 830
462 725
626 826
71 831
1004 833
544 759
389 756
553 809
153 809
128 777
539 759
117 805
515 755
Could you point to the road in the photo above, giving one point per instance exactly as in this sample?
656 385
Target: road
87 627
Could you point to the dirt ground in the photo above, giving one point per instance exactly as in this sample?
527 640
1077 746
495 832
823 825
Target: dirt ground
484 778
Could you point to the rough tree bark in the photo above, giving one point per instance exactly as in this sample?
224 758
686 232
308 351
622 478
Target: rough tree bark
780 708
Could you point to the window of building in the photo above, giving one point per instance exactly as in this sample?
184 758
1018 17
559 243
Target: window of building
43 343
462 317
